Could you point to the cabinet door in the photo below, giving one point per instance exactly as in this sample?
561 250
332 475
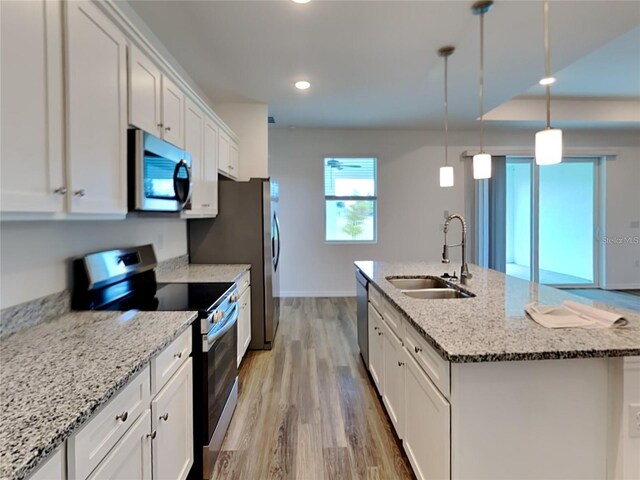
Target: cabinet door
131 456
210 167
31 147
97 111
172 411
224 147
144 93
234 159
244 324
172 113
375 348
427 435
194 144
393 377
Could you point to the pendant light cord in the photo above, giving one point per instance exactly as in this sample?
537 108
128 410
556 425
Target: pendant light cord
446 111
547 61
481 83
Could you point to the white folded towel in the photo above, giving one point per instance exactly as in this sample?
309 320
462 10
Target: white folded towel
572 314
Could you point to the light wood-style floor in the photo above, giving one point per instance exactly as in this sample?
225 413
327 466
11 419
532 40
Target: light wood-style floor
306 408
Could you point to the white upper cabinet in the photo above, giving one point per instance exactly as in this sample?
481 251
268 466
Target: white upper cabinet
209 195
173 110
96 83
145 84
229 155
193 135
234 159
31 144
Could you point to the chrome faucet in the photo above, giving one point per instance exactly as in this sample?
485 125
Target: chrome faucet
465 275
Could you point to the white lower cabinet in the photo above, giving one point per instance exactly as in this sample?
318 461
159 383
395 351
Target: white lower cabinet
427 435
375 347
393 377
172 411
244 320
131 457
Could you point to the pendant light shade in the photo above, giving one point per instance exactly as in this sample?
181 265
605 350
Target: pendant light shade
549 140
549 146
446 172
481 166
481 161
446 176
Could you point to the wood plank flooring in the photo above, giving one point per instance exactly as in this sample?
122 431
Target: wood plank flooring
307 409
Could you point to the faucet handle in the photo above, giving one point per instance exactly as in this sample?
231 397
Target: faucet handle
454 277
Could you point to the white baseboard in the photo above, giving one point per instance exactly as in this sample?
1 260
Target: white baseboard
349 293
622 286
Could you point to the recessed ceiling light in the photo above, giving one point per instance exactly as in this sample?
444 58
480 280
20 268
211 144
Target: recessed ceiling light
301 1
547 81
302 85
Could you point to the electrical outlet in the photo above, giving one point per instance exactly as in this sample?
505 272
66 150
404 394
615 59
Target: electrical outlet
634 420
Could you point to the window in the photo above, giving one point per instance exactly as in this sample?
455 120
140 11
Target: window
351 199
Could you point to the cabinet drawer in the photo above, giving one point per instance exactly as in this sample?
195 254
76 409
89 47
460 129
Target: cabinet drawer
436 367
244 282
91 444
375 298
169 361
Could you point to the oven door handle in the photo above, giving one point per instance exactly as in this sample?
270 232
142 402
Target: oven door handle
229 322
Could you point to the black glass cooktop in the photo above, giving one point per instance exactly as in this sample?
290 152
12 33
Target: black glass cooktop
172 297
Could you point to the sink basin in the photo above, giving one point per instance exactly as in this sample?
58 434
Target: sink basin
404 283
436 293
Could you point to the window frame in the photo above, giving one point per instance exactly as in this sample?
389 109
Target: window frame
373 198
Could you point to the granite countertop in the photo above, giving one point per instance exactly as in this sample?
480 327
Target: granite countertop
492 326
196 273
55 375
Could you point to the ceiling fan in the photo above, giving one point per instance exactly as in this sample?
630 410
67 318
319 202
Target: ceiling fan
338 165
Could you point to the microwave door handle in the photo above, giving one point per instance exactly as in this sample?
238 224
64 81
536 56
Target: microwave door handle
179 166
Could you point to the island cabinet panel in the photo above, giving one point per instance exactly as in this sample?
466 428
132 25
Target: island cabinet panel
375 347
431 362
53 469
31 150
131 457
426 435
393 377
545 418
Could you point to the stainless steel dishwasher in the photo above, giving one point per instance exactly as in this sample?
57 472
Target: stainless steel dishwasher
363 317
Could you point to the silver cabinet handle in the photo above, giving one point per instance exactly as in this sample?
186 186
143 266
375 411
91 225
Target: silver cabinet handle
164 417
123 416
376 328
400 364
152 435
379 333
80 193
61 190
206 205
178 355
160 125
417 349
167 129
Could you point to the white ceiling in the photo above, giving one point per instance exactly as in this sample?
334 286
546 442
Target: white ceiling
375 63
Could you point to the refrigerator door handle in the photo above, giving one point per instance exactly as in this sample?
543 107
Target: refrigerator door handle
276 240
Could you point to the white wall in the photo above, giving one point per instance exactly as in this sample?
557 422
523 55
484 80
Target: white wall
34 256
249 122
411 204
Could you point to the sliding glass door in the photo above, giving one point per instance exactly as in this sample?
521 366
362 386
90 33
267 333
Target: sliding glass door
550 221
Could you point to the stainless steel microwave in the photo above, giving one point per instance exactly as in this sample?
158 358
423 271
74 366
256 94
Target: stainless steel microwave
159 174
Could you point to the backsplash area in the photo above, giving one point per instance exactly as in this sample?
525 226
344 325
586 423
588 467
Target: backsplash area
35 256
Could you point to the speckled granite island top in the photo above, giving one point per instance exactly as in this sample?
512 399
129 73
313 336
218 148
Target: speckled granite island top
492 325
196 273
55 375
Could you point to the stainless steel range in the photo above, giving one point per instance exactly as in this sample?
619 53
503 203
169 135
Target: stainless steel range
124 279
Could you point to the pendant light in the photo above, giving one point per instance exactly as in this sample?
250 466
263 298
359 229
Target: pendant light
482 160
549 140
446 172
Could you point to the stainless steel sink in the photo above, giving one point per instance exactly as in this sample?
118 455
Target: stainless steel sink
404 283
436 293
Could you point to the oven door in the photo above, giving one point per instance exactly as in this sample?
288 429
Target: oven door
161 174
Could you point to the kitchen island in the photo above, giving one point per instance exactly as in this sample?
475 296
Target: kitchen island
475 389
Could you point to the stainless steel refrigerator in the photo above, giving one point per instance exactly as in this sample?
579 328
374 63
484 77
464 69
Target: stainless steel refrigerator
246 230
